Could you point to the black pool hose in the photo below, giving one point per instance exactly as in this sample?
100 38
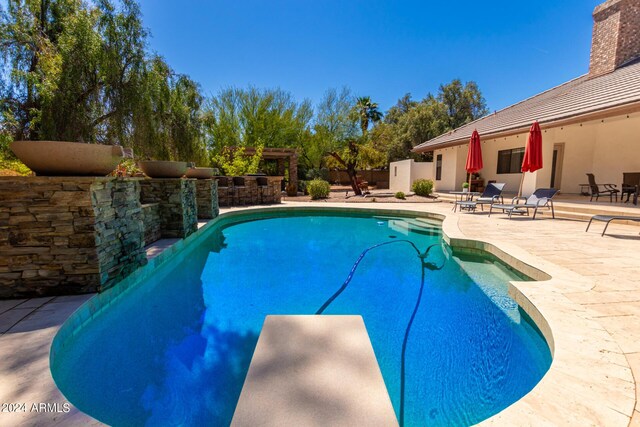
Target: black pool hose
425 266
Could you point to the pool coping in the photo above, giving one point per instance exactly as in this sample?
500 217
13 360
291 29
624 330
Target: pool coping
587 383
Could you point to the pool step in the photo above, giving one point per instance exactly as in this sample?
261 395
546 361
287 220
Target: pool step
429 222
314 370
406 225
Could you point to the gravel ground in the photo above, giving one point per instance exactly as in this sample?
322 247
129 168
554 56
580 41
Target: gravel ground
345 194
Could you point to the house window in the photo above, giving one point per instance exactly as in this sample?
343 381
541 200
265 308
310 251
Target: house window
510 161
438 167
395 171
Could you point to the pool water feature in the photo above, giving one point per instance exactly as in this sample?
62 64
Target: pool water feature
176 347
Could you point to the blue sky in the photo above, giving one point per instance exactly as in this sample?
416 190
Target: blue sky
383 49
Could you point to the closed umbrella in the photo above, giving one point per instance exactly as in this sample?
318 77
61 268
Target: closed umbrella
474 155
532 153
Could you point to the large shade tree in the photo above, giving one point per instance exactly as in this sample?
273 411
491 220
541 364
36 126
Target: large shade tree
341 132
253 118
80 71
410 122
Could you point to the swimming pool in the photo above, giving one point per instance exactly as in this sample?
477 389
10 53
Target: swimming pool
175 347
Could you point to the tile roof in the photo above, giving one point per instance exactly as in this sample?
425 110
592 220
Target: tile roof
577 97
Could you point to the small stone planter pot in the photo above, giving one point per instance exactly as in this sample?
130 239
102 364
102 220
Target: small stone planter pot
63 158
163 169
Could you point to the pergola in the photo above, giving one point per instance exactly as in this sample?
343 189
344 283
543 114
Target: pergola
281 155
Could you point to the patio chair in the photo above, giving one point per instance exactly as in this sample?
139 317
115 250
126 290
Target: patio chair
540 198
608 218
491 194
596 191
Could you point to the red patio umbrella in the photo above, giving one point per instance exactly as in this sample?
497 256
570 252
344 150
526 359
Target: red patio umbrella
532 160
474 155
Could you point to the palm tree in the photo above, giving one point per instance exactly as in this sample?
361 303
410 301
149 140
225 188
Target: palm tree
367 112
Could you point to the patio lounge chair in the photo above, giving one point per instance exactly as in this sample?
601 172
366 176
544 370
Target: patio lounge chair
491 194
609 218
539 199
596 191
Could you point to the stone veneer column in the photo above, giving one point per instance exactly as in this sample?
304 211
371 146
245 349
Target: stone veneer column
67 235
207 198
119 229
275 189
177 200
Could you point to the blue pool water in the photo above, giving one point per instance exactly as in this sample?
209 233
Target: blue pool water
175 349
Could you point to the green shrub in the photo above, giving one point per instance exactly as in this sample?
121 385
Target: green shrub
422 187
13 167
318 189
5 152
400 195
465 185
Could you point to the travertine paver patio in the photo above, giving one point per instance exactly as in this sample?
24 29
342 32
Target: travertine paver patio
604 281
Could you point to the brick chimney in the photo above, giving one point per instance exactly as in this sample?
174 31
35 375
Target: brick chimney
616 35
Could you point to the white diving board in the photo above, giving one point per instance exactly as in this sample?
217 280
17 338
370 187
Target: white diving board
314 370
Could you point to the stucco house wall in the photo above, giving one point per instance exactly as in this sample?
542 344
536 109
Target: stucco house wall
402 174
618 148
453 173
606 147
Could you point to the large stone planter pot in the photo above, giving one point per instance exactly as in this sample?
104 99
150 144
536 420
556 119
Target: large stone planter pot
62 158
163 169
201 173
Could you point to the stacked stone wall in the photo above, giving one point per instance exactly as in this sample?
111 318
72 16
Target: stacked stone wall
177 200
207 198
152 223
118 229
67 235
251 194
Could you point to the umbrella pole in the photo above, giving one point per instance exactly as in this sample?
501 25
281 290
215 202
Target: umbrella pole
521 182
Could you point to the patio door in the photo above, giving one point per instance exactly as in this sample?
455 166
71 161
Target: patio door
556 166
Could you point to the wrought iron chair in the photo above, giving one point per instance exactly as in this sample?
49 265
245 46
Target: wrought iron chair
596 190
